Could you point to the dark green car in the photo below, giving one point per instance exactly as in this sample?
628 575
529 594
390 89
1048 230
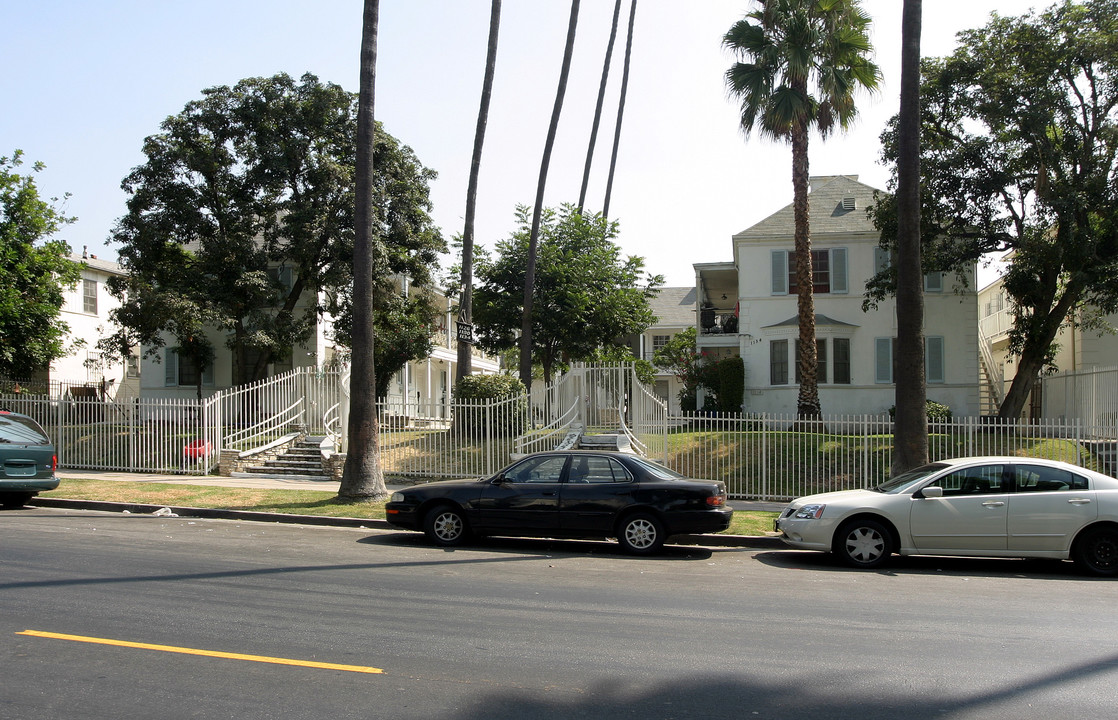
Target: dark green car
27 459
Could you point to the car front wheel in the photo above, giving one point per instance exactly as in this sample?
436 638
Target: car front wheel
446 526
641 534
862 543
1097 552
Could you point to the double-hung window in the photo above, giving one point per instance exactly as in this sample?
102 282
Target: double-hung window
828 271
885 359
183 371
882 260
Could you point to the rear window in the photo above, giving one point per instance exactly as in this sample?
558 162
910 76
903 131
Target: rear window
21 430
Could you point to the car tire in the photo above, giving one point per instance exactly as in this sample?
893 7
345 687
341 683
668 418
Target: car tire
14 500
863 543
641 534
1097 551
446 526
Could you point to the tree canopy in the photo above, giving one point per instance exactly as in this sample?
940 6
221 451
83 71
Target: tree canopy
241 219
34 273
1018 152
586 293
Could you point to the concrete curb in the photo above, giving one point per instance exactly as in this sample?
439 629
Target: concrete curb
748 541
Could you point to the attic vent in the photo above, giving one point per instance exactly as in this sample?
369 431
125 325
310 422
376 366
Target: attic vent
848 203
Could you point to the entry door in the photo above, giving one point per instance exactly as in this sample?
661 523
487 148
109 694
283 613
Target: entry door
971 515
527 498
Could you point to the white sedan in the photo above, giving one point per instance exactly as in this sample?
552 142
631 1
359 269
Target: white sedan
979 506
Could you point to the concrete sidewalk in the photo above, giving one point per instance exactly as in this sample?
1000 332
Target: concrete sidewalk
298 484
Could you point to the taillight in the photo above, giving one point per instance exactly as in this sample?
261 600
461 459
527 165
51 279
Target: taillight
53 463
716 500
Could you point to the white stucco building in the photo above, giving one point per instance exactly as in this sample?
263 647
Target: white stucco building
747 308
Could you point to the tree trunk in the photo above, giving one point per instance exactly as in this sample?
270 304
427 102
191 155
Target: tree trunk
598 107
362 479
910 434
807 404
465 304
1035 351
533 240
620 110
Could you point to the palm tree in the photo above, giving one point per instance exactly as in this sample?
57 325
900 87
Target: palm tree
534 237
465 304
910 445
598 107
362 478
620 110
801 62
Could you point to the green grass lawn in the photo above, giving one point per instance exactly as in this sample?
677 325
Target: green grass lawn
293 502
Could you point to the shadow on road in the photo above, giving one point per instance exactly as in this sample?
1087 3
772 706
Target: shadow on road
898 565
542 546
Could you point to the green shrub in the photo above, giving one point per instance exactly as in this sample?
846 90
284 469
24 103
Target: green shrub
501 419
937 412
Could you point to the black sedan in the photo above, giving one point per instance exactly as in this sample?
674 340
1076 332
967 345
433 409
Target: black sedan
571 494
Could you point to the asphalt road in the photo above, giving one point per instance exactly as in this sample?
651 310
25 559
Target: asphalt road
528 629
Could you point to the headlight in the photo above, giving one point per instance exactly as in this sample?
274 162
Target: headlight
810 512
397 497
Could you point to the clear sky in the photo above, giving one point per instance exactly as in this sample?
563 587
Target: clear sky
85 82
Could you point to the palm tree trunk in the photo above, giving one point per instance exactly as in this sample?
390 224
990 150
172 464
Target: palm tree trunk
533 239
910 435
598 107
362 479
465 303
807 404
620 110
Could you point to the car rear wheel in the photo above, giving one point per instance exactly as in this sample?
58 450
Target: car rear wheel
1097 551
446 526
14 500
862 543
641 534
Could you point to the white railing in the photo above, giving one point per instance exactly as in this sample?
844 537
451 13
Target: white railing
1090 396
765 457
268 429
550 435
774 457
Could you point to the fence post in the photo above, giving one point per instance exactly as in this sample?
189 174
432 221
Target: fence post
489 434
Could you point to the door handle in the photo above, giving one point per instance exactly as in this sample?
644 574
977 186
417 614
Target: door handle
1079 501
549 494
993 503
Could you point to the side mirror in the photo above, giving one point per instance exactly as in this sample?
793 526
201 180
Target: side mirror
932 491
499 480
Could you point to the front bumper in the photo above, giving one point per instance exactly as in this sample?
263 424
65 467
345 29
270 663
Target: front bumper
402 515
805 534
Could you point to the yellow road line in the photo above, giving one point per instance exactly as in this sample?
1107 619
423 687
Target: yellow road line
206 653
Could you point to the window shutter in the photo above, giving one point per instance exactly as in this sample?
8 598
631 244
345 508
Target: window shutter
838 270
880 259
933 359
170 367
779 272
883 360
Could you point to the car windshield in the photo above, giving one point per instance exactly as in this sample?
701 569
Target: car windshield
905 482
657 471
21 431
